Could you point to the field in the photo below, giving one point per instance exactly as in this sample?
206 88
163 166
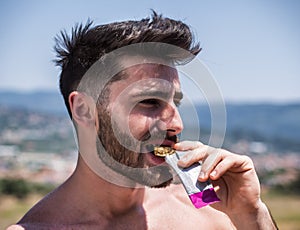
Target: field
285 209
12 208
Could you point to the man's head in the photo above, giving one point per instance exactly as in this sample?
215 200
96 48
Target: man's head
87 44
141 113
136 106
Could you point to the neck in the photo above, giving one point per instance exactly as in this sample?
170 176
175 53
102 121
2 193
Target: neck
102 196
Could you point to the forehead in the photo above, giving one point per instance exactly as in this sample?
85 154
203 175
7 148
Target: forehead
148 72
147 79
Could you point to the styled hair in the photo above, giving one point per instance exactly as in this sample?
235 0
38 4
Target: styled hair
77 52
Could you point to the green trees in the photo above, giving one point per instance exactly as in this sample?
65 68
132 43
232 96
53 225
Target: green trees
21 188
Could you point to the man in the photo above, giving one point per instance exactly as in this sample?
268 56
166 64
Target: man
122 90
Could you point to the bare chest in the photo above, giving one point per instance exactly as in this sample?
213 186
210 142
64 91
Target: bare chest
177 212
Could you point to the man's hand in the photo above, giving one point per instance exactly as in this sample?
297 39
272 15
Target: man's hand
235 181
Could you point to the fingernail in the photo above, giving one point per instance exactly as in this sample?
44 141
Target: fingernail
213 173
202 175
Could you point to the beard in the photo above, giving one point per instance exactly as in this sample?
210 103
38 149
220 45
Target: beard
128 158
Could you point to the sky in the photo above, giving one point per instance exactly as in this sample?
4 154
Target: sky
252 48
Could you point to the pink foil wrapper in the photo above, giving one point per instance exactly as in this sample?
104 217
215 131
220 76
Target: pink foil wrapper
200 193
204 198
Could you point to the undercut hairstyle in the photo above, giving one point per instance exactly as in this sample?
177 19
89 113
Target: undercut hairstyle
77 52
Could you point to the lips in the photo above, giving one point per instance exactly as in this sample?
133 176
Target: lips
154 160
163 151
156 153
160 150
150 148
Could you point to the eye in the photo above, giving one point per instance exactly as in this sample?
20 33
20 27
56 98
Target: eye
150 103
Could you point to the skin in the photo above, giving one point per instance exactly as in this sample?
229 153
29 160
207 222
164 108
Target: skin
87 201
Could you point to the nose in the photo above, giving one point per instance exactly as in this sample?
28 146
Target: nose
170 120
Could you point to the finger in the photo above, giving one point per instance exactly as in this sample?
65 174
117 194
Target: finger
213 158
193 156
190 158
232 163
187 145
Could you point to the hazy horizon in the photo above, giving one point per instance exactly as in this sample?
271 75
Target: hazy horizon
251 48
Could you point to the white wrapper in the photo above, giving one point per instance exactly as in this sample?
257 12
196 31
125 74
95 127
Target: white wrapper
200 193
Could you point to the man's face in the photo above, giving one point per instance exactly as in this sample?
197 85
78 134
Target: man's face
141 113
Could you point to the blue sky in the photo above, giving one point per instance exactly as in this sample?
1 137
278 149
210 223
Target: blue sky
251 47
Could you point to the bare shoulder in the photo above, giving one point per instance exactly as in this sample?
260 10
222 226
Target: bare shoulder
44 213
38 226
15 227
33 217
25 227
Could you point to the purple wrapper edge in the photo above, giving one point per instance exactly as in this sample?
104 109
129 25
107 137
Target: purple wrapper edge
204 198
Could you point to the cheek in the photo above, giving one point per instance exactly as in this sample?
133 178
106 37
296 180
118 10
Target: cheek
139 125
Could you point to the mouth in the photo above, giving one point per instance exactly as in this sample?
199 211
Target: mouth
161 150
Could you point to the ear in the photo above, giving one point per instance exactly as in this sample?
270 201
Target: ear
82 108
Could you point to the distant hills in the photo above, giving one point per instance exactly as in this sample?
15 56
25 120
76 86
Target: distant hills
43 101
275 124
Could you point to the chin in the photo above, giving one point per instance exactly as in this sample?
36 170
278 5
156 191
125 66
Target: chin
159 184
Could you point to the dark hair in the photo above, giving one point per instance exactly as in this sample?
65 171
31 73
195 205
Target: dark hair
86 44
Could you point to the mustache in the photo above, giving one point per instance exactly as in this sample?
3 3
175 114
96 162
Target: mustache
159 136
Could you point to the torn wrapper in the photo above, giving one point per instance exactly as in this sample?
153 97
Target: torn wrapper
200 193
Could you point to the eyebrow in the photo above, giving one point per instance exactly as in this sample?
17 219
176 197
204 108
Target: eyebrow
158 94
151 93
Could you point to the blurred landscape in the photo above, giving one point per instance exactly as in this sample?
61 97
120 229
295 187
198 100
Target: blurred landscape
38 151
